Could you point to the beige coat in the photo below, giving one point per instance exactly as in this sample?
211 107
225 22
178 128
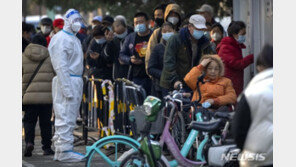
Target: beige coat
153 39
39 91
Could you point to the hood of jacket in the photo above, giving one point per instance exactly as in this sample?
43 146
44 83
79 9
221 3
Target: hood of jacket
172 8
217 59
36 52
230 41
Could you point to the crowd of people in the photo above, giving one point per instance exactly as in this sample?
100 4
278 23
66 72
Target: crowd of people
175 50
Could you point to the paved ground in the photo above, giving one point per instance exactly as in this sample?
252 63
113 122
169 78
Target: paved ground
39 160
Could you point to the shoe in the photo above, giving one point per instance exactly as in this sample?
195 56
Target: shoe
70 156
56 156
28 150
48 151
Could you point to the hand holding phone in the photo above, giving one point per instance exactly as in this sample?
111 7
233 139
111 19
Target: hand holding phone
93 55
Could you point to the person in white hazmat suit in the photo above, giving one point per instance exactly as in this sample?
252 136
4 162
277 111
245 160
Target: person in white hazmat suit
67 59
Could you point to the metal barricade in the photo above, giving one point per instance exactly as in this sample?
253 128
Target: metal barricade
127 96
106 106
95 107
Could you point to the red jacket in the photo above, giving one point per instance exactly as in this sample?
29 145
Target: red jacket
230 52
48 40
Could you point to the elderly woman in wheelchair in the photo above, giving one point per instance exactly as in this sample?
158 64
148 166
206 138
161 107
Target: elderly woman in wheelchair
217 91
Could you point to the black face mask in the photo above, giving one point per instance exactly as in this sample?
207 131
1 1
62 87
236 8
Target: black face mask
159 21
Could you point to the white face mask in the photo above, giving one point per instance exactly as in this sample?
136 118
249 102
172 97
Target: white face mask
216 36
173 20
100 41
76 27
45 29
121 36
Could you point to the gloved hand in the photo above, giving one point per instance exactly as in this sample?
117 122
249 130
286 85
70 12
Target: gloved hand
206 105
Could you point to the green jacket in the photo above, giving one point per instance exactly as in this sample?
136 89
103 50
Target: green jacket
178 58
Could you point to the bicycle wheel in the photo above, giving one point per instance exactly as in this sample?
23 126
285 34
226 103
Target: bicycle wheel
109 149
178 130
138 160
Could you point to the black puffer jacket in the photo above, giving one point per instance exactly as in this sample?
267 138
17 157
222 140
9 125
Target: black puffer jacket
112 49
156 62
101 67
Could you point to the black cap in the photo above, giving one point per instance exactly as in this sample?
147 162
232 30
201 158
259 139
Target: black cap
46 21
108 20
99 30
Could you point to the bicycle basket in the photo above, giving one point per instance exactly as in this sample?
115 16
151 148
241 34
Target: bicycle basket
157 126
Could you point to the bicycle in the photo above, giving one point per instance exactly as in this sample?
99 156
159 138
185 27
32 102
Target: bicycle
115 140
138 158
148 155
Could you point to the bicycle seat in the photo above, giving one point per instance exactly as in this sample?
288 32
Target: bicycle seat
229 141
223 115
206 126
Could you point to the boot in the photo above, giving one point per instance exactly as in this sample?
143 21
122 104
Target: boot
70 156
48 151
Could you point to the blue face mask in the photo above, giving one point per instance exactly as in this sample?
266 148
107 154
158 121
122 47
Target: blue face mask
166 36
100 41
140 28
197 34
241 39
